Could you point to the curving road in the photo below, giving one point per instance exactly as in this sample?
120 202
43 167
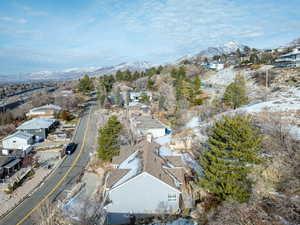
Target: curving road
63 176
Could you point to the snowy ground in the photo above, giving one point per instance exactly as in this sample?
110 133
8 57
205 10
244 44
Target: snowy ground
180 221
163 140
222 77
194 122
285 103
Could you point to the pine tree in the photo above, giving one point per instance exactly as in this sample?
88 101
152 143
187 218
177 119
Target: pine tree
108 139
118 100
235 93
85 84
161 102
233 148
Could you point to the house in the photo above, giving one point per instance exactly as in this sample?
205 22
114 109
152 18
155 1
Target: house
8 165
39 127
18 140
143 125
244 58
291 59
137 108
135 96
46 111
217 66
143 176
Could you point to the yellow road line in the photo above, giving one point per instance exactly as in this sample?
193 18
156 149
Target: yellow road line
63 178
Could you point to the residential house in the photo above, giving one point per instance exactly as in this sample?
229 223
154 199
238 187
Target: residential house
145 182
137 108
135 96
46 111
217 66
141 126
8 165
39 127
19 140
291 59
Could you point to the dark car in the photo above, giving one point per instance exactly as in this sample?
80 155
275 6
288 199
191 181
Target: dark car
70 148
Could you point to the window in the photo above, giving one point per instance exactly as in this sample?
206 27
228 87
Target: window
172 197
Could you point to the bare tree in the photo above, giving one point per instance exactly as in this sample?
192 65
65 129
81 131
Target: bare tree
92 212
49 214
41 98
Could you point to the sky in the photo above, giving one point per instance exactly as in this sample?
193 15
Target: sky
53 35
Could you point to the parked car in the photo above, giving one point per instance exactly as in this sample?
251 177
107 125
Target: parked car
70 148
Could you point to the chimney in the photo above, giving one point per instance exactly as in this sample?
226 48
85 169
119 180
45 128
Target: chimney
149 138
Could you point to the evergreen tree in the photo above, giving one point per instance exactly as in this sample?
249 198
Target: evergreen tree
254 58
235 93
150 84
85 84
181 72
174 73
196 87
238 53
119 76
233 148
108 139
144 98
118 97
161 102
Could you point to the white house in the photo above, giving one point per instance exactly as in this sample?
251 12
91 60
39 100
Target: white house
217 66
144 125
291 59
46 111
144 182
135 96
143 194
18 140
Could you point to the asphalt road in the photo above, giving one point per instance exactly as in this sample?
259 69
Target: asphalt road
61 179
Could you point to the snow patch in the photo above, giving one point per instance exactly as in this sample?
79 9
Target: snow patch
163 140
193 164
164 151
194 122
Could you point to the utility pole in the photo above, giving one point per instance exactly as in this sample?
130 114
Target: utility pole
267 77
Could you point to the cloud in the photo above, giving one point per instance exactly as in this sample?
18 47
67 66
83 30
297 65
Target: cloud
30 11
107 32
200 23
13 20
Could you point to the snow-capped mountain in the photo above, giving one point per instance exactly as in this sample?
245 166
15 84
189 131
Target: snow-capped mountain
135 66
227 48
293 43
76 73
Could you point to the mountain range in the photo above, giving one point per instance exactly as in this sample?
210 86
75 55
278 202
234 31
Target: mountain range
76 73
209 52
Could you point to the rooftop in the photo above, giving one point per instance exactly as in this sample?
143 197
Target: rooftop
46 107
36 123
5 160
145 123
144 157
20 134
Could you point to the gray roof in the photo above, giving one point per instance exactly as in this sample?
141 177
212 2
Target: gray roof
20 134
5 160
46 107
145 123
36 123
153 164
